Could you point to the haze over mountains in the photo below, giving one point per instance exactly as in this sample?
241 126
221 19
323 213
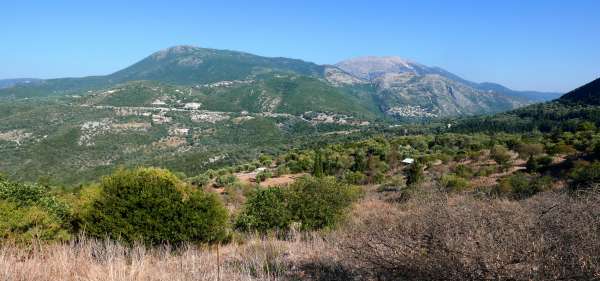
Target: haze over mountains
379 86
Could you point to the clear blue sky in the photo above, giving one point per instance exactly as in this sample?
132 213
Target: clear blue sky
539 45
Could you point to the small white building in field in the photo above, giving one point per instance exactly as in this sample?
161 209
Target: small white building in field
408 161
192 105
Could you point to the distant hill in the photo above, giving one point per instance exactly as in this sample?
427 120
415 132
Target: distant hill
369 86
409 89
587 94
531 95
193 65
373 68
7 83
564 114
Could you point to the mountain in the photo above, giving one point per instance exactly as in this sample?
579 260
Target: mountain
571 112
185 65
587 94
409 89
193 65
7 83
531 95
369 86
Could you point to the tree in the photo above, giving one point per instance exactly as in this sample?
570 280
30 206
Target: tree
527 150
532 164
153 206
319 202
501 155
393 157
318 165
414 174
264 210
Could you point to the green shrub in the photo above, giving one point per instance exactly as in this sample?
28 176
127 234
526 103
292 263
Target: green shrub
265 160
225 180
501 155
29 212
355 177
485 171
463 171
414 174
282 170
200 180
153 206
265 209
314 203
532 164
453 182
319 202
528 150
460 156
27 224
263 176
26 195
522 185
585 175
394 183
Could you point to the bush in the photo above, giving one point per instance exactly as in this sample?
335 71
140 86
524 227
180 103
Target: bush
585 175
28 224
463 171
522 185
225 180
454 182
500 154
264 210
395 183
414 175
314 203
200 180
532 164
355 177
485 171
26 195
263 176
265 160
282 170
319 202
527 150
29 212
153 206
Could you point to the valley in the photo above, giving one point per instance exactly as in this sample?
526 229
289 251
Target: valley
186 103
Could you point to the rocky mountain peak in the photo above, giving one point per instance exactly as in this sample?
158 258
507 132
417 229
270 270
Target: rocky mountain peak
175 50
372 66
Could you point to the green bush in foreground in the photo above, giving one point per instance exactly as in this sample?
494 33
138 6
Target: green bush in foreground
29 212
265 209
154 206
314 203
319 203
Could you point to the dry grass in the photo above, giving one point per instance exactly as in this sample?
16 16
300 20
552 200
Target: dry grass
258 259
549 237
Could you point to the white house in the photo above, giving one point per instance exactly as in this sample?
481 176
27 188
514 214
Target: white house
408 161
192 105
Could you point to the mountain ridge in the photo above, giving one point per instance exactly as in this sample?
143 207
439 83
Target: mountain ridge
398 96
